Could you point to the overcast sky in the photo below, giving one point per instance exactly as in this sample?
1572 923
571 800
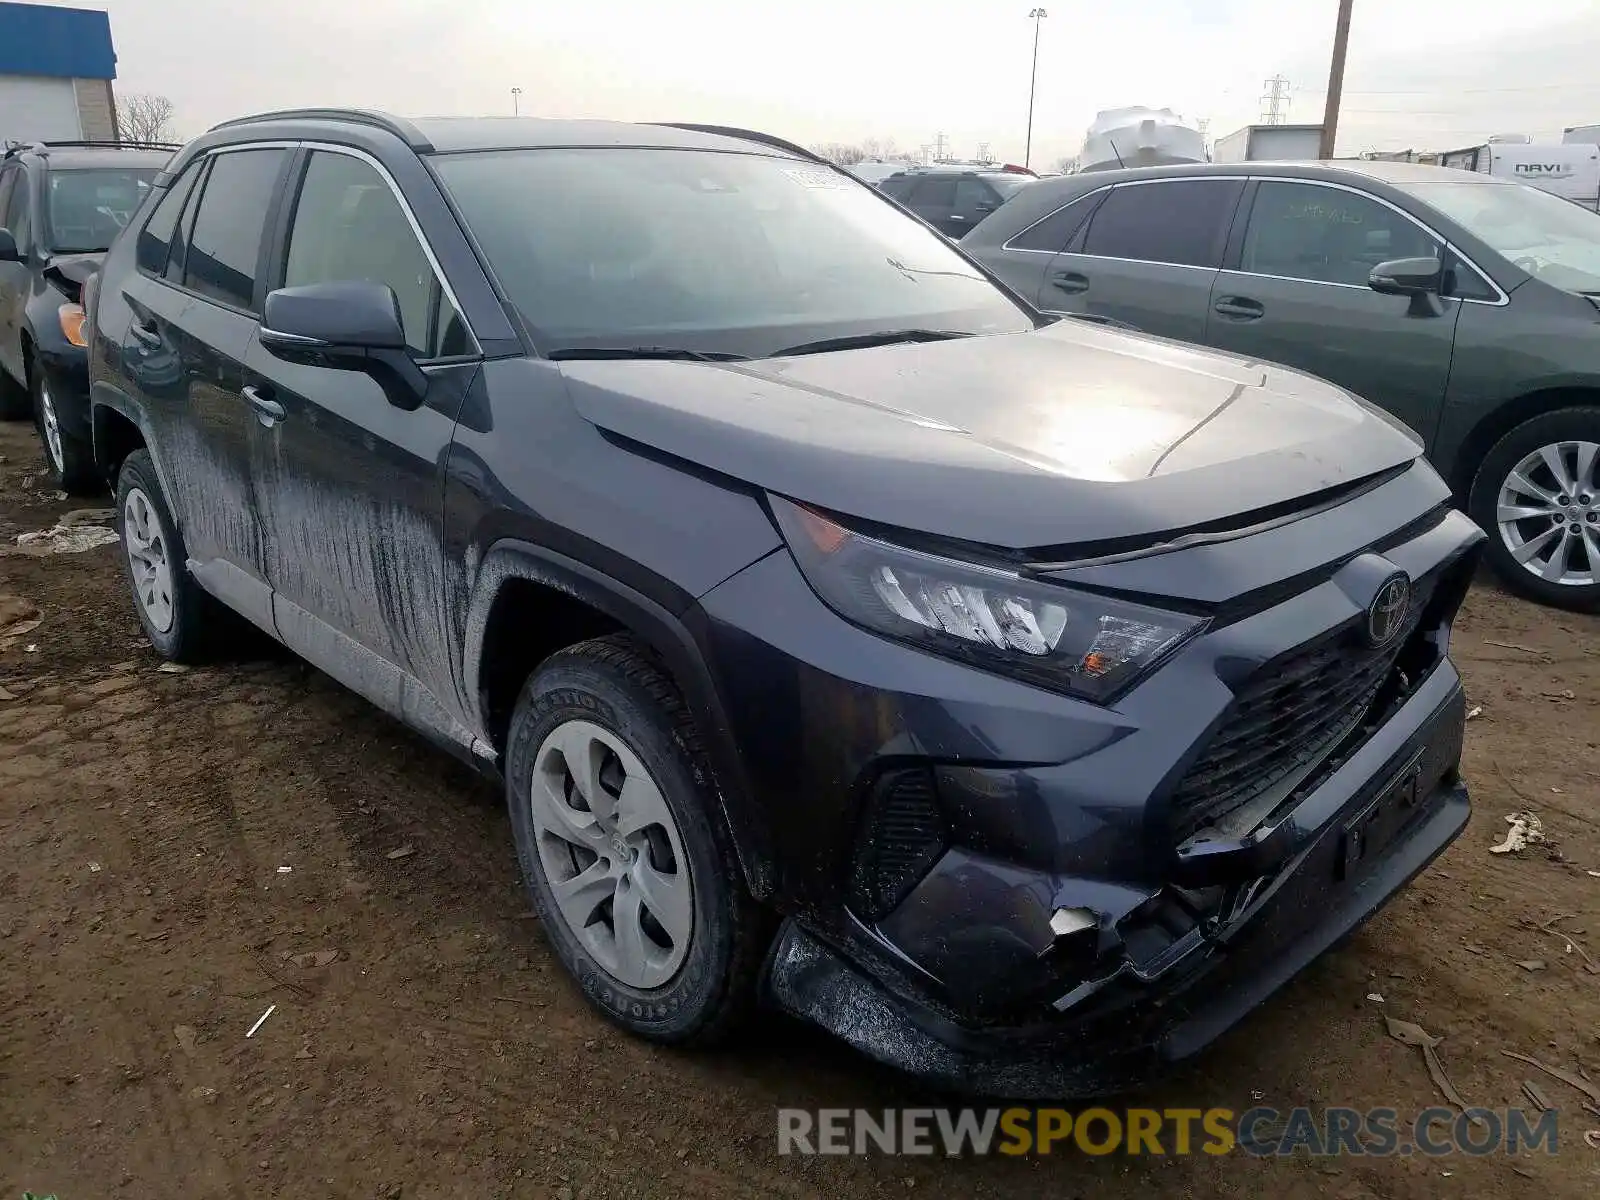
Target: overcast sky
1430 74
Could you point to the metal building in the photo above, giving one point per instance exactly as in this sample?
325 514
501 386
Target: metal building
56 68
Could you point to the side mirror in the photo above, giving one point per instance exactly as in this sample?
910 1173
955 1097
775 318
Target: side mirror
353 326
8 247
986 206
1406 277
1420 278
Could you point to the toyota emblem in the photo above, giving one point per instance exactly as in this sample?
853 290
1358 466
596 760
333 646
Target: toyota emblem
1387 612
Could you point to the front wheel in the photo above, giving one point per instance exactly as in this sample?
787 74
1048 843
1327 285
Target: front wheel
71 458
623 848
181 620
1537 495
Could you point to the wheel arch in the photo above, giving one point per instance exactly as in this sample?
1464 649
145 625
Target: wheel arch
117 432
1498 422
574 601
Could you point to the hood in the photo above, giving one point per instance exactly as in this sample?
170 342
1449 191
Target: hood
71 271
1070 434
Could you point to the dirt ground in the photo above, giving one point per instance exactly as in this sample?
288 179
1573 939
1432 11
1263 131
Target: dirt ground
169 840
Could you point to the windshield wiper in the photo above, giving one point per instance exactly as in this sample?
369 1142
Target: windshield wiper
667 352
861 341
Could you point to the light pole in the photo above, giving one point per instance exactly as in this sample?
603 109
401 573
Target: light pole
516 102
1036 16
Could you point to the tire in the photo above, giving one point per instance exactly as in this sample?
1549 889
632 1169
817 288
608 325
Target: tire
15 402
1575 435
187 626
69 457
688 988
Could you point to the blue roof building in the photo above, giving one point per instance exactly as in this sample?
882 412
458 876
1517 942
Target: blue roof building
56 72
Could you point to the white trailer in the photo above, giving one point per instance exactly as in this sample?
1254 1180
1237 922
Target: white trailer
1269 143
1570 169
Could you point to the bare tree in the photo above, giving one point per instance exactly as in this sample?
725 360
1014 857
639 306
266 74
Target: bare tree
145 117
839 153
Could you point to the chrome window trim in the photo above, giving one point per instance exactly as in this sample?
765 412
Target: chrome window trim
1501 300
416 230
1438 238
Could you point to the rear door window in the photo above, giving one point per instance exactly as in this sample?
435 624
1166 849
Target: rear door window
898 189
1054 233
224 252
934 193
975 197
1180 221
155 239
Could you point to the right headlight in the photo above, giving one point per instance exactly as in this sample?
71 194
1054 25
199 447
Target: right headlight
1090 645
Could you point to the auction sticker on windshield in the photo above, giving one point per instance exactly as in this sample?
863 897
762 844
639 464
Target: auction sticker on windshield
816 178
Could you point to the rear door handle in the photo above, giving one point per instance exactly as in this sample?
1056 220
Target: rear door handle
1069 281
1240 308
267 409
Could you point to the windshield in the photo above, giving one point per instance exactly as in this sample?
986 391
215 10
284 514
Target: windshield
88 207
1543 234
721 253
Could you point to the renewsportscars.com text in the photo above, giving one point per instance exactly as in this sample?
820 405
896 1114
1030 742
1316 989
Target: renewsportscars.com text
1258 1132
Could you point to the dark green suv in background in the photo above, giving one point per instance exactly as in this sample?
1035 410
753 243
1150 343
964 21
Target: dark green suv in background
1466 306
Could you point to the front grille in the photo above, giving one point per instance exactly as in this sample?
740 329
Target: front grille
902 836
1288 717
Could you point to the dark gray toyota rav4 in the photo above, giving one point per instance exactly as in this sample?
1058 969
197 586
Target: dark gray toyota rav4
1023 702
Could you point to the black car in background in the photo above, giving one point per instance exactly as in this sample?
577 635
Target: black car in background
61 207
952 198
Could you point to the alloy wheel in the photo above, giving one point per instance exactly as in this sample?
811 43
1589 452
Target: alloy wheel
52 429
151 566
1549 513
612 854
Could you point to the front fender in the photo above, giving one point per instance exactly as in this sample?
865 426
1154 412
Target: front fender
667 634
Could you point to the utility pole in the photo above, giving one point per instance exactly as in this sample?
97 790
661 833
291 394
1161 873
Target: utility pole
516 102
1036 16
1330 114
1275 101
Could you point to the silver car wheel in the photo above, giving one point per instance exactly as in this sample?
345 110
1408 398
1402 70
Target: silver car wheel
148 561
1549 513
612 854
52 429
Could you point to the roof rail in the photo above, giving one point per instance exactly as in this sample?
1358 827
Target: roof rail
399 126
751 135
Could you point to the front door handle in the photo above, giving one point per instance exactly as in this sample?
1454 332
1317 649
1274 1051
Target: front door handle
1240 308
1071 282
268 410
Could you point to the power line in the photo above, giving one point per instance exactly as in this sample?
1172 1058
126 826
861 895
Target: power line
1455 91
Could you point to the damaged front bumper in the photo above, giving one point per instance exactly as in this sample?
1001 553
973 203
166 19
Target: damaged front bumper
1388 810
